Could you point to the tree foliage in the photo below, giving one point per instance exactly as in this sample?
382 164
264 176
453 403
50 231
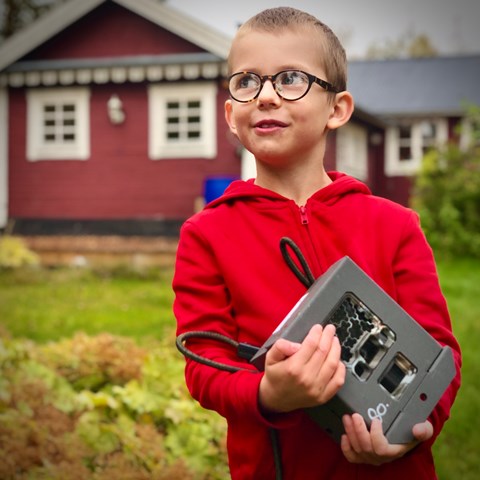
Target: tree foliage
447 194
18 13
409 45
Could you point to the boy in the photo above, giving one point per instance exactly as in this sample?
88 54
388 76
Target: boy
288 89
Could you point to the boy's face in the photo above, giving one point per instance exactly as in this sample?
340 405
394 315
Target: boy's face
278 131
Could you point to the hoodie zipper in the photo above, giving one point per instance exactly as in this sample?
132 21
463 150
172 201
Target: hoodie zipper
303 215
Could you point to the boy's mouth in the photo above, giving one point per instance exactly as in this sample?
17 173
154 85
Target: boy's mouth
269 124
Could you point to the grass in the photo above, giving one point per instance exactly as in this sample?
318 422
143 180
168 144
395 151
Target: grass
48 305
456 450
45 305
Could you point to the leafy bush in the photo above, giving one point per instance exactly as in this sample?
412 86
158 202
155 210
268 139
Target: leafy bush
447 196
14 253
101 407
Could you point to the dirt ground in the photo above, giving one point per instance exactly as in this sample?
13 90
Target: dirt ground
136 252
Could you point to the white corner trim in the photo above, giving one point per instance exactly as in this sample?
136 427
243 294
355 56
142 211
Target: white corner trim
3 157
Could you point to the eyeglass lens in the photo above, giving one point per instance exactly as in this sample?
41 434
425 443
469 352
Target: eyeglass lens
291 85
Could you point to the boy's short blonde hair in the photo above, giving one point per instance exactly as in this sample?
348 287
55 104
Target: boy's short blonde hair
332 56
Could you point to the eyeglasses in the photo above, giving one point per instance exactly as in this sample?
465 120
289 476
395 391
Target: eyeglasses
290 85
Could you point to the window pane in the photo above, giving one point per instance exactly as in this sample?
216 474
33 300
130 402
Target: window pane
405 154
405 132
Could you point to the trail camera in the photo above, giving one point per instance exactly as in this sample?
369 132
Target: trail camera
395 370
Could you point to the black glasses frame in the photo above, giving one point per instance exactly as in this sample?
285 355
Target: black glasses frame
263 78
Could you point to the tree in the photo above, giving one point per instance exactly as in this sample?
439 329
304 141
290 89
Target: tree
15 14
407 45
447 194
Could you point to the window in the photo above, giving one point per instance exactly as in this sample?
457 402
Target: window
182 121
58 124
407 143
352 151
468 127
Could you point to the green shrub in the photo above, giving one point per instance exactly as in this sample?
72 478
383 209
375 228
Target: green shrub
14 253
69 411
447 197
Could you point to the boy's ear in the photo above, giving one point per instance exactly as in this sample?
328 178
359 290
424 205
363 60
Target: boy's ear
229 116
342 110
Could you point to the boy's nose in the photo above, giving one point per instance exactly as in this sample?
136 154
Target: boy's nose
268 94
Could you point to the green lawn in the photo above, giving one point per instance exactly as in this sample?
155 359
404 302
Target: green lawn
456 451
48 305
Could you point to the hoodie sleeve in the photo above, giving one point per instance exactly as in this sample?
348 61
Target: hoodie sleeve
418 291
202 304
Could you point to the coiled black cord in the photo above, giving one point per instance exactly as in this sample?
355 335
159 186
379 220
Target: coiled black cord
306 277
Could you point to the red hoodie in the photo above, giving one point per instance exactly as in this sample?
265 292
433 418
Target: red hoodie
231 278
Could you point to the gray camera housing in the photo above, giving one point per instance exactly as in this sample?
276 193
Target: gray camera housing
396 371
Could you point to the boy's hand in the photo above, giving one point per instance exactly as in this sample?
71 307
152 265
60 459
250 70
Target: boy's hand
302 375
361 446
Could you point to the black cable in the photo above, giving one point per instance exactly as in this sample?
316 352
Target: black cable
206 361
277 454
306 277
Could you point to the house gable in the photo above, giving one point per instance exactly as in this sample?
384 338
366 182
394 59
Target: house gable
111 31
69 12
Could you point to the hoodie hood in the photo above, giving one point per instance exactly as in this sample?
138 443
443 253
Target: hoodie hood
341 185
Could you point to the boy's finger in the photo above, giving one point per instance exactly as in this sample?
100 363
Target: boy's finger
310 345
281 350
422 431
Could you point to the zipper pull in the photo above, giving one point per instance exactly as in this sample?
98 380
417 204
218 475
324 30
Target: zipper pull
303 215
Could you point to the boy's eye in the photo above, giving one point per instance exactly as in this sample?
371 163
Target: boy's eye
292 78
247 81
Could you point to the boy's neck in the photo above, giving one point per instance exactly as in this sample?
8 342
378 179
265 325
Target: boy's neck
299 186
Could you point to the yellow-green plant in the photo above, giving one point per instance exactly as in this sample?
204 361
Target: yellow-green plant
14 253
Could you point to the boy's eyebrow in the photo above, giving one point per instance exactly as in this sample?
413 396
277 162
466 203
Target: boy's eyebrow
260 71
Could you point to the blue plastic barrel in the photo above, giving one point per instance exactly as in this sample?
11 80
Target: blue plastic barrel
215 186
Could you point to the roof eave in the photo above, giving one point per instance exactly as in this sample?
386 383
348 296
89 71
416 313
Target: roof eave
42 29
69 12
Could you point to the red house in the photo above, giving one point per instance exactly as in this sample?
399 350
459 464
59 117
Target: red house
113 121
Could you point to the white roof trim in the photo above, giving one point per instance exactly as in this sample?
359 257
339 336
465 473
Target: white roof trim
180 24
69 12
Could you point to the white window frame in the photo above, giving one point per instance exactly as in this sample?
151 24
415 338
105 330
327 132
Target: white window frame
352 151
467 139
203 146
38 147
393 165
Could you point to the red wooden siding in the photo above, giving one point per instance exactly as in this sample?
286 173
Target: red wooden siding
119 180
